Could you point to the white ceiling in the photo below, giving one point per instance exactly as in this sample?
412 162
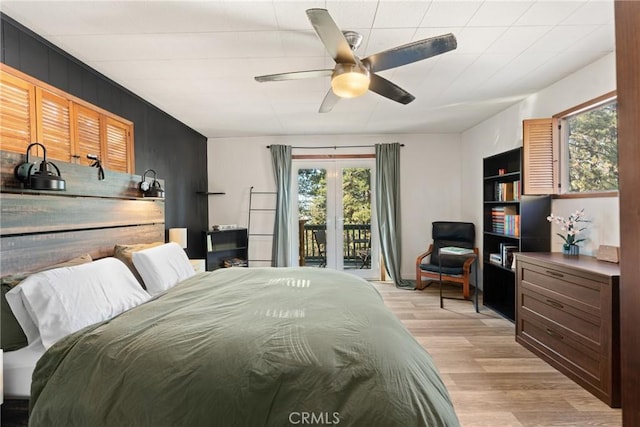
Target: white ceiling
196 59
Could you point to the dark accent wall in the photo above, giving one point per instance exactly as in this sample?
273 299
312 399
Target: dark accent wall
175 151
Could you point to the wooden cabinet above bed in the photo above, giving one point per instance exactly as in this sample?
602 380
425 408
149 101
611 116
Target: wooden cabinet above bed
69 128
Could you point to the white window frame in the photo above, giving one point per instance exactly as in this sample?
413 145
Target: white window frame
563 140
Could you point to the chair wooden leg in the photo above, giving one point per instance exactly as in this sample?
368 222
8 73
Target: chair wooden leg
418 278
465 288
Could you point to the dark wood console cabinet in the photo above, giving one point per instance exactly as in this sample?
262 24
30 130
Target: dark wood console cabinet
568 314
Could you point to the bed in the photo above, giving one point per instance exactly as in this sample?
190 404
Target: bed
233 347
242 347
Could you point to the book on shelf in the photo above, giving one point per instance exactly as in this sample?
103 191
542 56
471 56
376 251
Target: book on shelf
495 259
506 191
505 220
503 191
512 225
235 262
506 254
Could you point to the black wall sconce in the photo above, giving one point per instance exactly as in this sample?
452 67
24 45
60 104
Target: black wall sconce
151 190
40 177
96 164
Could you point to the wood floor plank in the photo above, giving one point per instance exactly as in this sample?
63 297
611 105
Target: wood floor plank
493 381
514 381
514 364
489 419
583 419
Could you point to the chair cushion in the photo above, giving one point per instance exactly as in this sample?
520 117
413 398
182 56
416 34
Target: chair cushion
449 271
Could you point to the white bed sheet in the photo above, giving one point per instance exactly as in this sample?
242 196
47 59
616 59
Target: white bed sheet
18 368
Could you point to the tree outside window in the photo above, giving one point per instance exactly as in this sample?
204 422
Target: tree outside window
312 195
356 189
591 145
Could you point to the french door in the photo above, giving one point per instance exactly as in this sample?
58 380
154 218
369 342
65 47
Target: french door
335 215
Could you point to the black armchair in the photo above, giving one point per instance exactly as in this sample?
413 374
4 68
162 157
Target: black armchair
457 270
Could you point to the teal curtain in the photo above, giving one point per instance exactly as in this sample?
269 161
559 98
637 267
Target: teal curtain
281 160
388 210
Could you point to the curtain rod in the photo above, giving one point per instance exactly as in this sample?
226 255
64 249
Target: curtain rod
335 147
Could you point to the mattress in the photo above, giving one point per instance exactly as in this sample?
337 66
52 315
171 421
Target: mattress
18 367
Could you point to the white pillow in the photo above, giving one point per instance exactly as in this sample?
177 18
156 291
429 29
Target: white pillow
65 300
162 267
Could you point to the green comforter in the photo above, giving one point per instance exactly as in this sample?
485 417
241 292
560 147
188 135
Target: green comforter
245 347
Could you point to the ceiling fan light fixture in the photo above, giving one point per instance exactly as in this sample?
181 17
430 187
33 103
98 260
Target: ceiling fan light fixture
353 76
350 80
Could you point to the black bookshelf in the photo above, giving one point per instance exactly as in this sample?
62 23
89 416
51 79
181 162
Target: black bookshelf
512 223
226 248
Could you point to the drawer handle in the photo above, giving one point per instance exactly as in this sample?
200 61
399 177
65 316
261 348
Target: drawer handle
554 333
554 273
555 303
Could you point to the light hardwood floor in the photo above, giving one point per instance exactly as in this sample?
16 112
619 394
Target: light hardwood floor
493 381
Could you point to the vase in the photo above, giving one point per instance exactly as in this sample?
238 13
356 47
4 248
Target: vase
573 250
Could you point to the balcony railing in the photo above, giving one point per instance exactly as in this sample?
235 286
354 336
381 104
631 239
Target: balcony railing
356 245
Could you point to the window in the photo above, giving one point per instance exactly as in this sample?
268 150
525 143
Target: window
575 152
589 141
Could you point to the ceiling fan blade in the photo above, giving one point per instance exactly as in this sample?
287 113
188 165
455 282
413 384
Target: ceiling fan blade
410 52
384 87
295 75
331 36
330 100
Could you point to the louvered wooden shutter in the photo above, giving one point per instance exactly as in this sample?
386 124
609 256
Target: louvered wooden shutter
54 124
87 133
69 128
540 151
17 114
118 140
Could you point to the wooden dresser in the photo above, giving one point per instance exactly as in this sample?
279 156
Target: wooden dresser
567 313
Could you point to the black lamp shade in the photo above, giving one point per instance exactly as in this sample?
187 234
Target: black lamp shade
38 176
152 189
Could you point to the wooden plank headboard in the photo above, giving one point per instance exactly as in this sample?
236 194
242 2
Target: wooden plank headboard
41 228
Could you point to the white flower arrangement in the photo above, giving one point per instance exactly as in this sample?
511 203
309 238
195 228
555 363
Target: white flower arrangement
570 226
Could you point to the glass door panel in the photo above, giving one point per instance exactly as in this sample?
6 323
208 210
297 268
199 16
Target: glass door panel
356 218
335 215
312 217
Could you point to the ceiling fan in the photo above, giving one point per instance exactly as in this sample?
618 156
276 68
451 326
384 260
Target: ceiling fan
353 76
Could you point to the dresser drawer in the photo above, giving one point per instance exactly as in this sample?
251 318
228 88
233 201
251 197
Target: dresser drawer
561 346
579 291
583 324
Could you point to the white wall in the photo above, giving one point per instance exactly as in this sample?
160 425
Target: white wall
431 175
441 173
504 131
